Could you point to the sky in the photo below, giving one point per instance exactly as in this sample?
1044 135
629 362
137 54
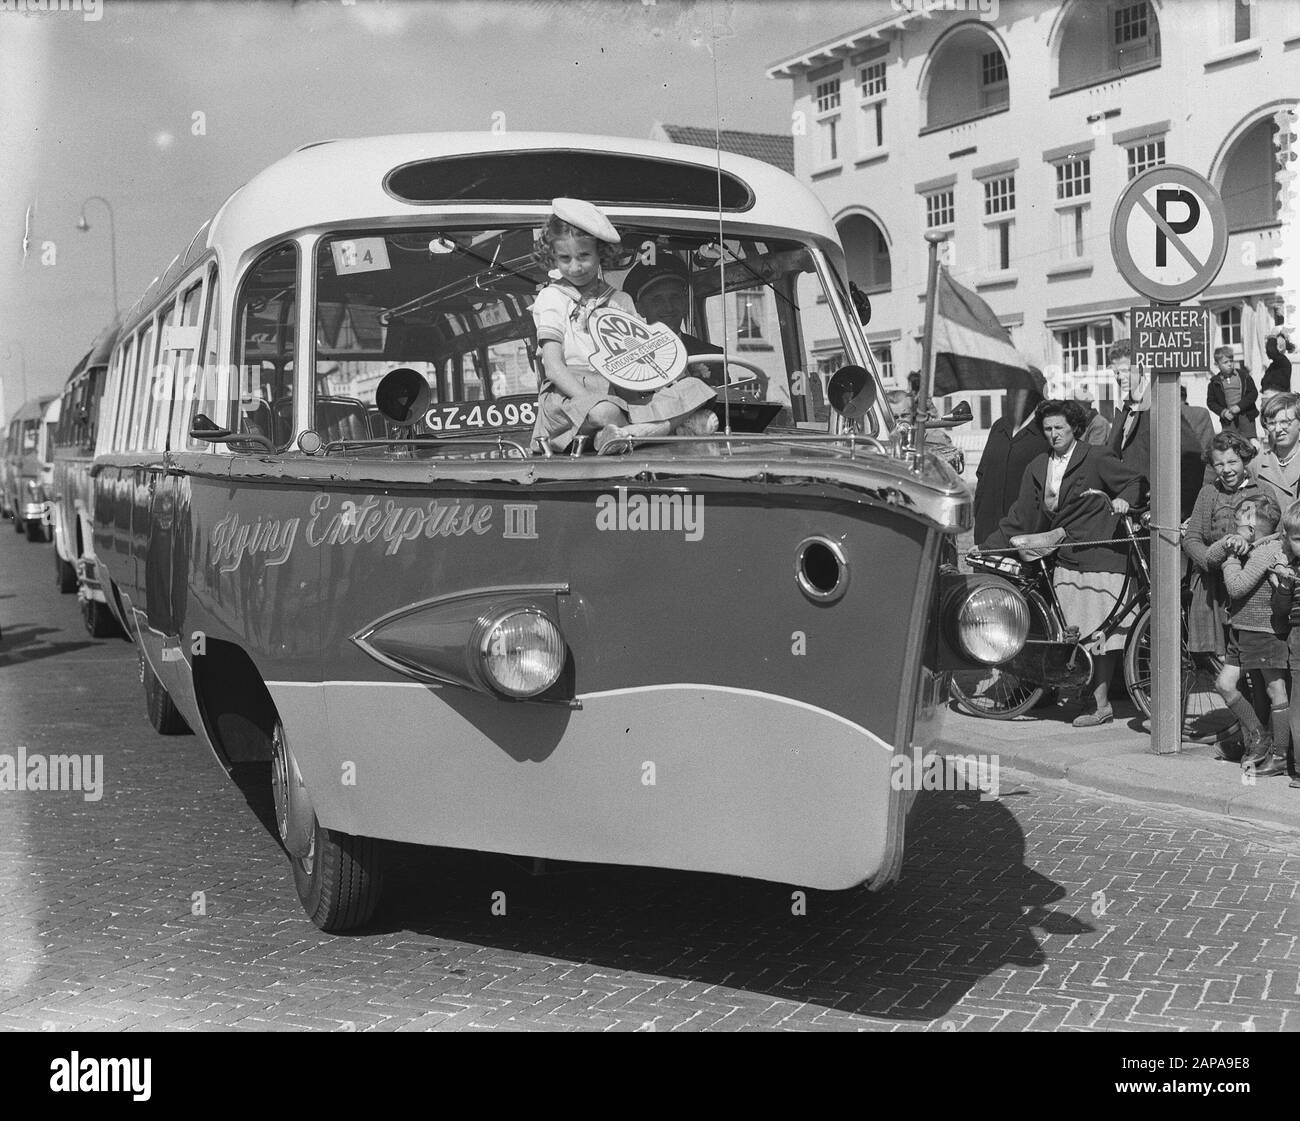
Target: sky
164 108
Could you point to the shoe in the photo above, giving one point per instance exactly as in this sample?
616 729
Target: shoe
1295 782
1095 717
1257 750
1270 767
1230 750
610 441
702 422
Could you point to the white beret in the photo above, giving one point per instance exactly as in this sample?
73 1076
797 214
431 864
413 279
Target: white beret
585 217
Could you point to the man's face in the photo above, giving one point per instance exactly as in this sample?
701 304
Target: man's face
663 301
1123 374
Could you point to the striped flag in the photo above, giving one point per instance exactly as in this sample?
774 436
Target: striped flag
972 349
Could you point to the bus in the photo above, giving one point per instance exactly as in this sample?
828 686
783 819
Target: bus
75 567
45 457
21 496
319 516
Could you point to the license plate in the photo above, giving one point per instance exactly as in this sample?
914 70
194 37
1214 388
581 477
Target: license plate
480 416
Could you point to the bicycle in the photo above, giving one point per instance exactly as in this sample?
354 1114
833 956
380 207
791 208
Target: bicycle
1057 657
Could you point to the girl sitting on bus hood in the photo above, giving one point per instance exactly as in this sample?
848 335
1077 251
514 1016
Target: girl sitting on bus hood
575 400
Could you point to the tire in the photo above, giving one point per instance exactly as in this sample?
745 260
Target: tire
163 714
19 525
65 575
340 878
98 620
996 694
1205 717
35 531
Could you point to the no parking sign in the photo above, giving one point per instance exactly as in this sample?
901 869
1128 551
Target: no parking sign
1169 234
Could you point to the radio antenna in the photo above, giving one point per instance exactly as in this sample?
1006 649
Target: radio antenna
722 254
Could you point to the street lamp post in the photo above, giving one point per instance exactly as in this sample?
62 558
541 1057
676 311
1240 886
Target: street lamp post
84 227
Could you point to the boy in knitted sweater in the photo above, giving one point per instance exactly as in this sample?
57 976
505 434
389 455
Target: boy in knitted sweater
1248 555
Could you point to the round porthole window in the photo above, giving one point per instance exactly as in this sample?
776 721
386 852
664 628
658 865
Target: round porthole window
821 569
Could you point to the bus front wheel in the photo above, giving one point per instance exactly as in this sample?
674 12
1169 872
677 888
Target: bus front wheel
98 619
165 717
338 877
65 575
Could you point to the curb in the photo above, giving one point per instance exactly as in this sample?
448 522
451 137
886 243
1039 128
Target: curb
1117 760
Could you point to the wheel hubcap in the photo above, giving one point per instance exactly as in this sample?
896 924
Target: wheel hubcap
280 785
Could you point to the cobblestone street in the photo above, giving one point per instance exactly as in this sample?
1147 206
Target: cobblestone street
168 903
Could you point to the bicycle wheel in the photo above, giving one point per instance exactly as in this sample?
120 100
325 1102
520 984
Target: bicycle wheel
994 693
1206 718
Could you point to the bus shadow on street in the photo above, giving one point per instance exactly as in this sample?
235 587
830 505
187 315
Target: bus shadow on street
966 906
26 642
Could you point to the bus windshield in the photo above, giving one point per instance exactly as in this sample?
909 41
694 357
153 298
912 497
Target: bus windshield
454 303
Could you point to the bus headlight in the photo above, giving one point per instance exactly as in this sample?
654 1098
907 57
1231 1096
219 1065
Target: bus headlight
990 623
521 652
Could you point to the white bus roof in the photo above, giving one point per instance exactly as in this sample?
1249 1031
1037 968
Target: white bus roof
343 181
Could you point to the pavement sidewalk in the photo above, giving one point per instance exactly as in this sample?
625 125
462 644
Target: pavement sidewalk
1117 758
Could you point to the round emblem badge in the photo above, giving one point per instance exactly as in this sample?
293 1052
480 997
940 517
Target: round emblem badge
634 354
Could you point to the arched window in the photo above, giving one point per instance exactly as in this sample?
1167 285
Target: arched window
1248 180
866 252
1106 40
967 78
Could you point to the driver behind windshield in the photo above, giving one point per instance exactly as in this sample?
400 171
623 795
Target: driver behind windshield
661 294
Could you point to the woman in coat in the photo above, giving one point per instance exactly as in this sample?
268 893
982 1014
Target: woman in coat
1014 442
1079 489
1278 469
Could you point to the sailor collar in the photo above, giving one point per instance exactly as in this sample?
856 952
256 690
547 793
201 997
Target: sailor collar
583 306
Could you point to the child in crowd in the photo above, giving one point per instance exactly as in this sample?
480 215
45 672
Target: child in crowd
1232 395
1286 613
1230 457
574 399
1247 556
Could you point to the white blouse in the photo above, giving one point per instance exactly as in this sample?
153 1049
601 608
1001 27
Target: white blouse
1056 465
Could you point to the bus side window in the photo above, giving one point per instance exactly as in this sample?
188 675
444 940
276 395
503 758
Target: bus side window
126 398
107 439
65 419
212 383
73 422
181 361
141 375
161 386
266 318
94 393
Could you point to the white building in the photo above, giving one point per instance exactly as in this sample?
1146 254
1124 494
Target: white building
1015 129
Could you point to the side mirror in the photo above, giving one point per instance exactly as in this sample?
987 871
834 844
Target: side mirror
403 396
861 302
960 415
203 427
851 392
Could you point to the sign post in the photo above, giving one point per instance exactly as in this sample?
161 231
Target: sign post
1169 236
